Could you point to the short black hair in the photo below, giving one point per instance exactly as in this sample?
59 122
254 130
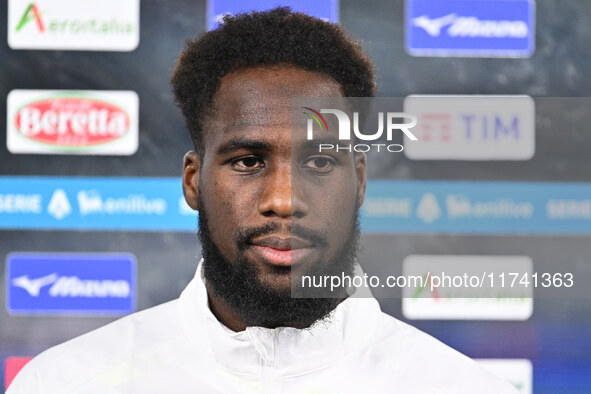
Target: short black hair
265 38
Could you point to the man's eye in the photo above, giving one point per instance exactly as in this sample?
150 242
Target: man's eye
248 163
320 164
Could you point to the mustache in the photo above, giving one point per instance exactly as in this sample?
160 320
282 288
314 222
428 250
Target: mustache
243 236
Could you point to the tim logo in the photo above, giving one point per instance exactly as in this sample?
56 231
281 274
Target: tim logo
472 127
89 284
437 127
388 124
31 14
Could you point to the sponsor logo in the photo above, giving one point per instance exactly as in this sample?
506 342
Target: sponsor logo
387 207
470 28
33 286
73 286
327 10
460 206
12 367
472 128
70 122
91 203
565 209
428 209
108 25
435 123
433 26
94 204
20 203
458 287
476 207
147 204
59 205
70 283
518 372
31 13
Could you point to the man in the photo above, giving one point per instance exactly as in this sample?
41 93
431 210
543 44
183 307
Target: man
270 209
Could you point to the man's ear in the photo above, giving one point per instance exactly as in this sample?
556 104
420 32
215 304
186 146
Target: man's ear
360 164
191 165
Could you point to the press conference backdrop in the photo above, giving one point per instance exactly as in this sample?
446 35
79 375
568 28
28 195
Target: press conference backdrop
92 221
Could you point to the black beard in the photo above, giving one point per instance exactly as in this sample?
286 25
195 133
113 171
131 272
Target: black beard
238 283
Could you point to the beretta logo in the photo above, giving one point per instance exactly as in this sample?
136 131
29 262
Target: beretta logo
72 122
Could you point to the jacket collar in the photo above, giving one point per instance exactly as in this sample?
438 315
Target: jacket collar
289 350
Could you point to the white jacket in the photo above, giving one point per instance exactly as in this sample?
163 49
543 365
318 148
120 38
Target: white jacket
180 347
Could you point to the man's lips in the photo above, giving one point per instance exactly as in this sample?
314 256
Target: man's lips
278 243
282 251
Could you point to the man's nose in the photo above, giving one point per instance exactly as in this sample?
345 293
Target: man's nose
280 195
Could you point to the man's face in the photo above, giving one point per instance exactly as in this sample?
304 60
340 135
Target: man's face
271 206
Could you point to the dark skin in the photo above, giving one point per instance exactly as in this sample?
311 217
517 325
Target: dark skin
263 179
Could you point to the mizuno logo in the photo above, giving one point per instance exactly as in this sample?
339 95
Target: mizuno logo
72 283
461 26
33 286
433 26
72 286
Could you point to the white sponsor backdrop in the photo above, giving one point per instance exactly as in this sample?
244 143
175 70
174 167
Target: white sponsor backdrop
91 122
101 25
518 372
466 302
471 127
